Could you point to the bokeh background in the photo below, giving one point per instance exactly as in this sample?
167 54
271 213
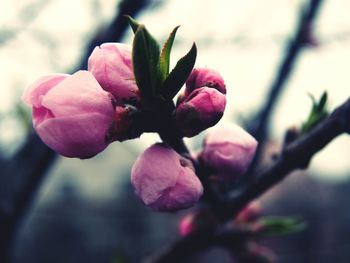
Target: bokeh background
85 210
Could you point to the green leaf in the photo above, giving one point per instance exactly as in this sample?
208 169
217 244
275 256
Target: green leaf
322 103
318 112
133 23
145 59
313 101
164 60
276 226
179 74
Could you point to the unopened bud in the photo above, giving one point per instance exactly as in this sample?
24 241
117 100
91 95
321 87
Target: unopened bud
250 213
202 109
111 65
164 180
228 151
204 77
71 113
200 220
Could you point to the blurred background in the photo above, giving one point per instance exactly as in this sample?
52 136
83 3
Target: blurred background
85 210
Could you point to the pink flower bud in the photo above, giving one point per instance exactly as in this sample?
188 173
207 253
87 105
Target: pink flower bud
202 109
250 213
200 220
228 151
164 180
204 77
254 252
71 114
111 65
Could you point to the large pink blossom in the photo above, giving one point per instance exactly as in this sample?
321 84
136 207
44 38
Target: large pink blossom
111 65
71 113
164 180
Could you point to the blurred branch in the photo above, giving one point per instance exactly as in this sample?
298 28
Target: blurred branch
116 29
259 124
22 174
20 177
189 245
296 155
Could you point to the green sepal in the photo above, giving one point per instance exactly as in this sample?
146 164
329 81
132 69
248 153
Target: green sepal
145 59
277 226
164 60
179 74
133 23
322 104
318 112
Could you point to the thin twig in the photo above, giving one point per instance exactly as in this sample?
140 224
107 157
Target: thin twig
259 124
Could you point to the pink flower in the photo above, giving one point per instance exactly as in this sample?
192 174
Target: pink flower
112 67
200 110
71 113
204 77
228 151
164 180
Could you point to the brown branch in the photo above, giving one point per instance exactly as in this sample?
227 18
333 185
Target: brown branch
189 245
259 124
295 156
116 28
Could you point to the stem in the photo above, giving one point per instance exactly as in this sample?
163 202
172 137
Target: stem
160 119
169 136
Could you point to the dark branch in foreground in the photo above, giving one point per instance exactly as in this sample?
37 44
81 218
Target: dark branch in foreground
297 155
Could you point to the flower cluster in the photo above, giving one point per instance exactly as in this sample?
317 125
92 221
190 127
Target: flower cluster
129 90
226 154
